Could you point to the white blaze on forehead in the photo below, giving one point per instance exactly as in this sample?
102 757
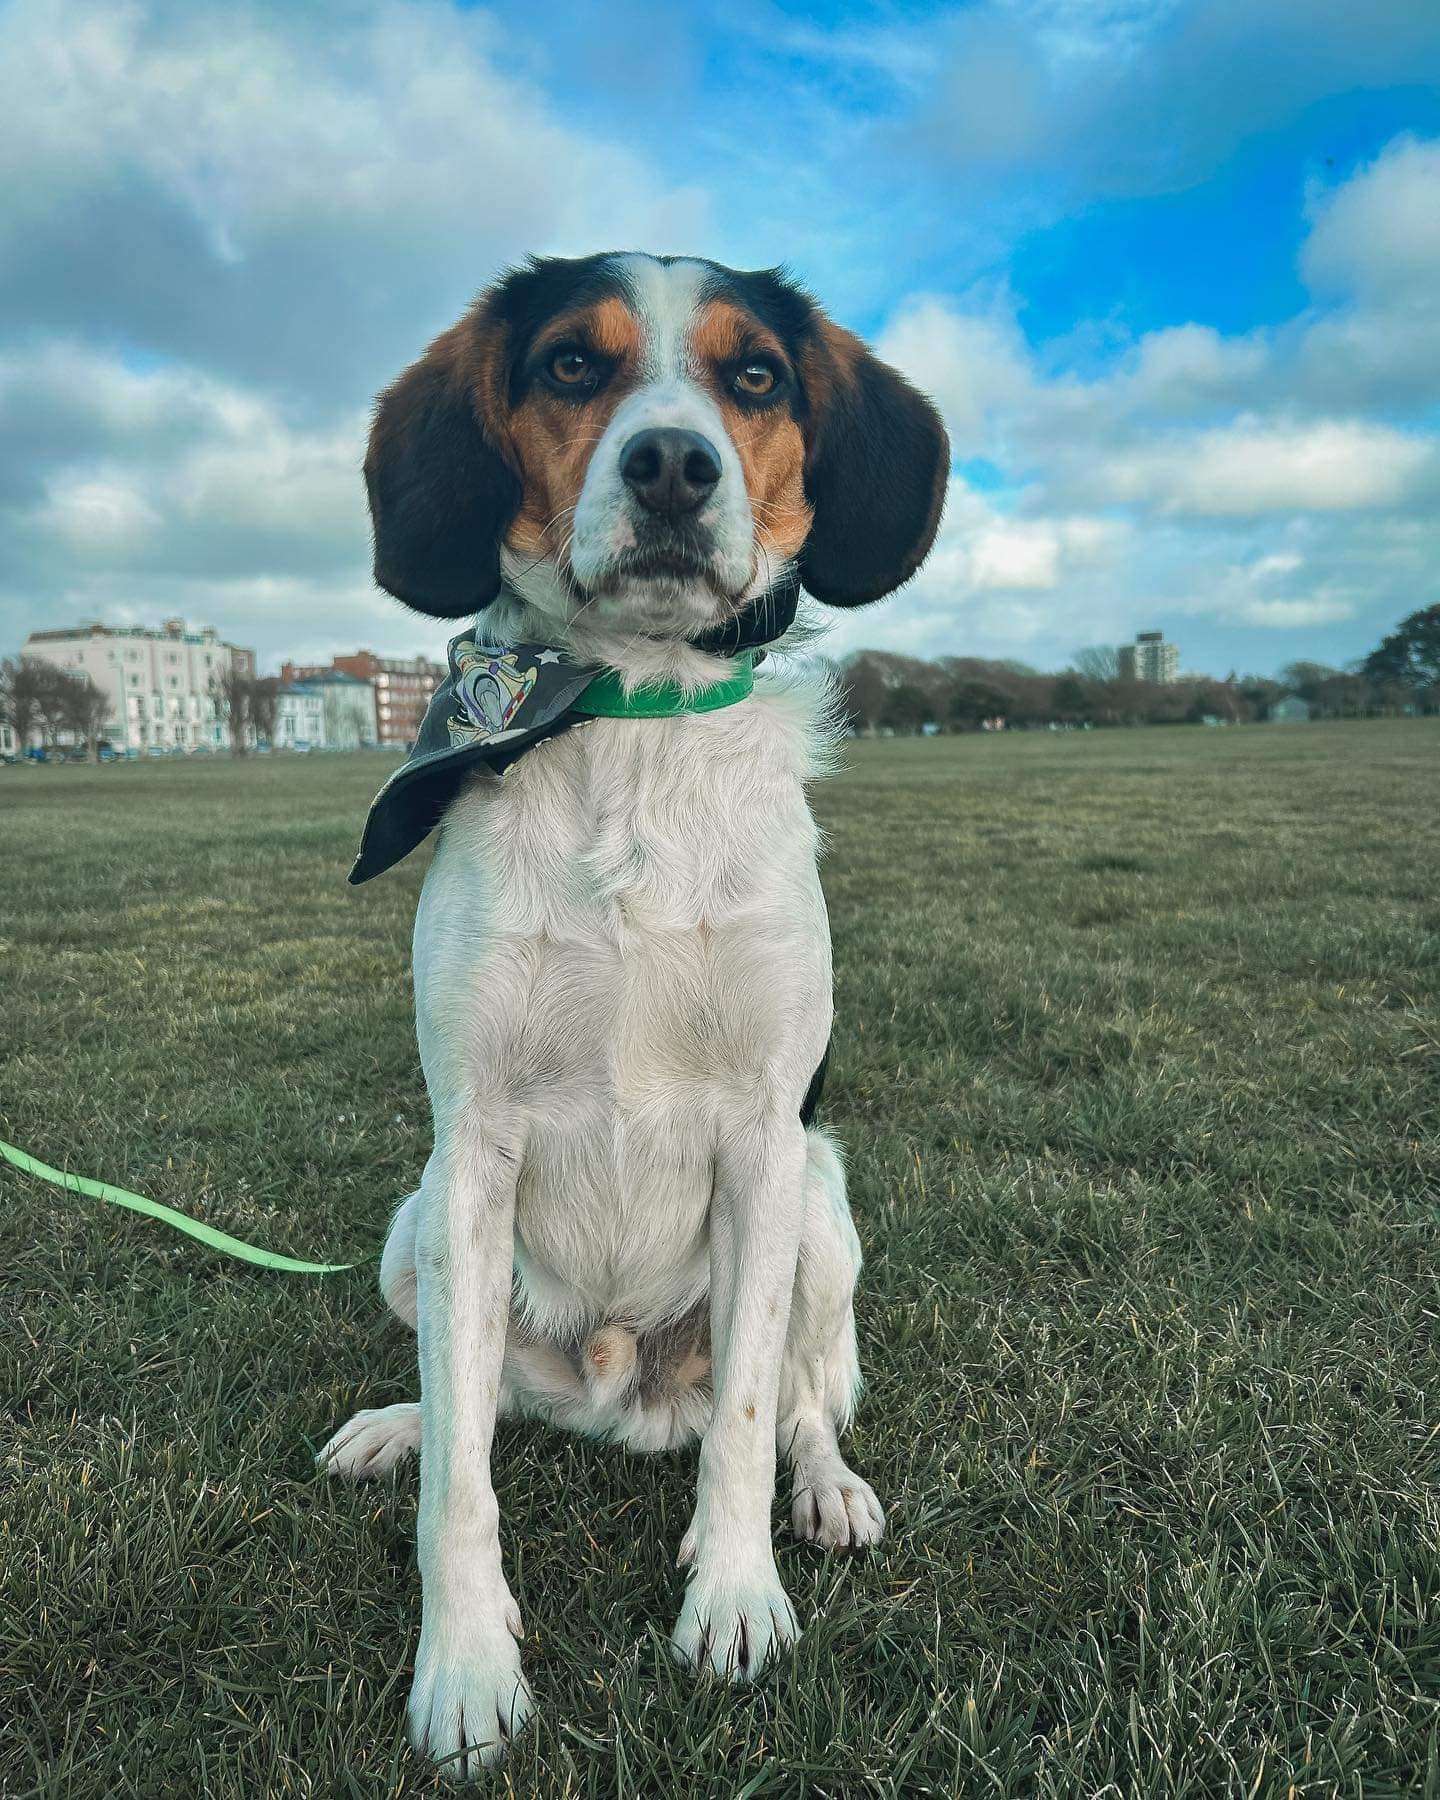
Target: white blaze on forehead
666 298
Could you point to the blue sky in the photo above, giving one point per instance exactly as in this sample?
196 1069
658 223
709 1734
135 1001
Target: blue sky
1169 266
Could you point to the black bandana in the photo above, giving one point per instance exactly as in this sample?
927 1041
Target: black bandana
496 703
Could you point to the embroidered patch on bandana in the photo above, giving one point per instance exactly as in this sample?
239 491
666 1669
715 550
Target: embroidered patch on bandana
490 688
496 701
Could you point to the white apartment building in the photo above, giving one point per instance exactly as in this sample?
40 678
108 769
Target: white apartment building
1150 658
158 681
331 712
300 718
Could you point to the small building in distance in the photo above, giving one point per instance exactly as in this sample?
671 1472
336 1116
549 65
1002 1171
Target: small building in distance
402 689
351 717
1292 710
1150 658
300 717
329 712
158 681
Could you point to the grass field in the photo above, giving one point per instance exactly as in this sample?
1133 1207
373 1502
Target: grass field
1138 1062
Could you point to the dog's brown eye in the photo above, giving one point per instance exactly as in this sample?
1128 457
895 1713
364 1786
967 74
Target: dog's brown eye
756 379
571 367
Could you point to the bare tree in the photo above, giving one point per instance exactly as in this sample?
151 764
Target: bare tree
49 688
84 710
7 695
26 684
264 701
232 690
1100 662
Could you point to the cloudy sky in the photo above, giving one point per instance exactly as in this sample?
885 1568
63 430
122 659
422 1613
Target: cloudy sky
1171 267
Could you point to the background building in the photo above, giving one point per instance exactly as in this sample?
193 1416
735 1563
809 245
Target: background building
157 681
403 686
351 719
300 717
1150 658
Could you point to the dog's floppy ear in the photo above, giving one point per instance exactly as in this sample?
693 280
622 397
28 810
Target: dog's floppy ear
875 473
441 495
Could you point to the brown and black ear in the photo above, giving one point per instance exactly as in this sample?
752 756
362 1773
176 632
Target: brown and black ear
441 494
875 475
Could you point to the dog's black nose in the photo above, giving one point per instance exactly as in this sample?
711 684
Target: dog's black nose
670 471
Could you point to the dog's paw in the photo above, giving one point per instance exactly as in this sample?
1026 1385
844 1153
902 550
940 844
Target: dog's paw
832 1507
732 1625
466 1709
372 1442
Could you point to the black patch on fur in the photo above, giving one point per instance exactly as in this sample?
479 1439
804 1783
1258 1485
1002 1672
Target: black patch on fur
810 1105
441 496
876 479
766 618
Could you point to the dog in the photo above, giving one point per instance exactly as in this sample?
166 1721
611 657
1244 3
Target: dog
630 1224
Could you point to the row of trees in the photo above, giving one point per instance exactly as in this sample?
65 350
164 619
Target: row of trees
40 701
887 692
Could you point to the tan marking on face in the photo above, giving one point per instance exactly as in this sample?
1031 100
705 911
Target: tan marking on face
550 440
769 443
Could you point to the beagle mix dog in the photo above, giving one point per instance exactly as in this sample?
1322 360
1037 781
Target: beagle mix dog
628 1225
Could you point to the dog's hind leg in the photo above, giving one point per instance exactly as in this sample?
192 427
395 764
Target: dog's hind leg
820 1374
377 1438
535 1378
397 1262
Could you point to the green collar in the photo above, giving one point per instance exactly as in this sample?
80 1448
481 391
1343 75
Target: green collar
605 698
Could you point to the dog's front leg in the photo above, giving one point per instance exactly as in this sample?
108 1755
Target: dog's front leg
736 1614
469 1696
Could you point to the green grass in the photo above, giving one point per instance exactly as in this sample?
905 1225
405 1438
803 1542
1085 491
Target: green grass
1138 1063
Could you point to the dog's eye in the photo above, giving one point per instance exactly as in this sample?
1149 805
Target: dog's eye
571 367
756 379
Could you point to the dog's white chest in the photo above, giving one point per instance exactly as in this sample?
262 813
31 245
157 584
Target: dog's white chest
624 940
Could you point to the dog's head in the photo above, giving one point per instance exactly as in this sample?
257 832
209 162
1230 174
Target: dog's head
659 440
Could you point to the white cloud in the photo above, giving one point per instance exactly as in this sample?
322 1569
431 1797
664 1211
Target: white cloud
973 363
1292 614
1378 234
1255 467
97 518
1025 554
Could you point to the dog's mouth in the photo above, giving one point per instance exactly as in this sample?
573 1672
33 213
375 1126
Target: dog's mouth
663 559
662 563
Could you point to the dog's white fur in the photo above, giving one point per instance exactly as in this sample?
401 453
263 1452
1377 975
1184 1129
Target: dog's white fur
623 987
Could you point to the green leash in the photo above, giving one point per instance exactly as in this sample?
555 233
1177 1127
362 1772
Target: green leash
207 1234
